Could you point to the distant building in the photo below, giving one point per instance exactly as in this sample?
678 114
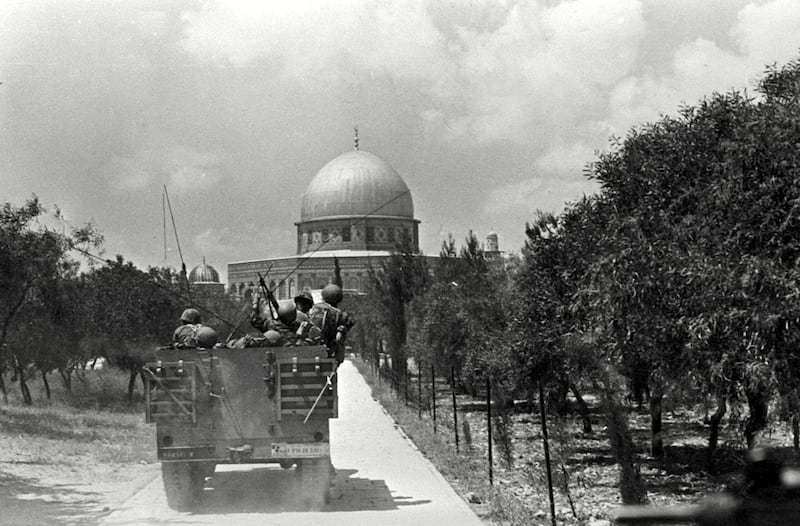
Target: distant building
204 282
492 248
355 209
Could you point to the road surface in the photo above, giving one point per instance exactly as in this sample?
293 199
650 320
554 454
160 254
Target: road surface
381 479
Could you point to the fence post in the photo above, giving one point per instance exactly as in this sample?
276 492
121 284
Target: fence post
455 407
547 456
433 395
405 383
489 427
419 391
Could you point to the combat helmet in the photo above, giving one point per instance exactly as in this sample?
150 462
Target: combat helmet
332 294
273 337
190 316
304 297
206 337
287 311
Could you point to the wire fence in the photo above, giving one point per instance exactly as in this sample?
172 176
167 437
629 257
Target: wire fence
433 391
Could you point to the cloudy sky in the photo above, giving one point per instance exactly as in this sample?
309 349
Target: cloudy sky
488 109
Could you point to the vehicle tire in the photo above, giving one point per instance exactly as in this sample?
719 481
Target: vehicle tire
183 483
315 476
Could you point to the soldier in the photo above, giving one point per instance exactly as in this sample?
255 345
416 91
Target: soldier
332 321
304 301
185 335
192 333
284 325
307 333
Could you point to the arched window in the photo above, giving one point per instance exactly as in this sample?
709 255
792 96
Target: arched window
292 288
352 283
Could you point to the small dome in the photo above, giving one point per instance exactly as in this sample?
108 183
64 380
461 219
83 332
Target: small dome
492 242
204 274
356 183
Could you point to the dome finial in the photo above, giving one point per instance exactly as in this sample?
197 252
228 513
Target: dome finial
355 139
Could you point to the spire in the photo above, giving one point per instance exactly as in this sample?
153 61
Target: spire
355 140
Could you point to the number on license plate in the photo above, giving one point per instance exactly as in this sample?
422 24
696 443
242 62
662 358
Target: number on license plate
282 450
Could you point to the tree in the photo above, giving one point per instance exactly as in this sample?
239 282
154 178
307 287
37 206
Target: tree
34 261
131 312
392 287
703 244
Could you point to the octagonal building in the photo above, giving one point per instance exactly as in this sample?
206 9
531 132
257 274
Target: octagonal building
357 208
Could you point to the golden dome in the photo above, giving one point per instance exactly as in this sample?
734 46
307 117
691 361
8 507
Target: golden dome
356 183
203 274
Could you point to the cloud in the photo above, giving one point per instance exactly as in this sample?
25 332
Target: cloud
317 42
489 81
181 168
543 69
519 200
551 79
218 243
769 32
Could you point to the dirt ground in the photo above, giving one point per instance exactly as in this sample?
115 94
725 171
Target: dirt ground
585 474
77 492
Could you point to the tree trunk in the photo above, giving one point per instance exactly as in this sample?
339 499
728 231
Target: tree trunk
23 383
758 403
631 487
558 398
66 378
796 431
132 384
46 384
397 339
656 437
583 409
3 386
714 423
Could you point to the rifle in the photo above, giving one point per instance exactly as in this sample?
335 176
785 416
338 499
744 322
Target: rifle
272 302
770 495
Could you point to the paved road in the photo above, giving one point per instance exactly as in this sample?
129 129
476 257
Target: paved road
382 479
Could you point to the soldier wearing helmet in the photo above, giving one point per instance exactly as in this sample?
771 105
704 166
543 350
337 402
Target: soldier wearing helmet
304 301
332 322
307 333
185 336
284 324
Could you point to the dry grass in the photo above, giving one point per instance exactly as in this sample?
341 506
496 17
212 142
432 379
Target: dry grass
92 426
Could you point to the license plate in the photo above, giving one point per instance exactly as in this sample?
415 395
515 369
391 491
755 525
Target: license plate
186 453
283 450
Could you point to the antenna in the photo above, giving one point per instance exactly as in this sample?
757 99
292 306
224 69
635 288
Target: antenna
164 220
178 242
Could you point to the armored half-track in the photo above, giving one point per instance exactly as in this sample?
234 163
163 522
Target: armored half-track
241 406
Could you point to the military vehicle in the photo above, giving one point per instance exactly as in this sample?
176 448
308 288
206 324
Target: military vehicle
241 406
